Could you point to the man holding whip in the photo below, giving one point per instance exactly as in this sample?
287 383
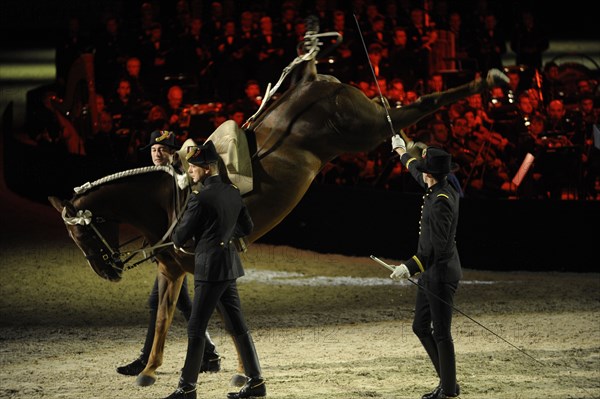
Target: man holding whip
436 261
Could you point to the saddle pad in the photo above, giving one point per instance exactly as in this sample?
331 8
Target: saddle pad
232 145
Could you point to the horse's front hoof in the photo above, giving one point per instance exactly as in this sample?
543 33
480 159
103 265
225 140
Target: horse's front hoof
145 380
238 380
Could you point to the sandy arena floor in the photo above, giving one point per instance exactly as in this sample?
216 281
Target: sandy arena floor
325 326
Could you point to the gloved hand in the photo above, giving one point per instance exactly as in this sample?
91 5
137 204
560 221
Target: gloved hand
398 142
400 272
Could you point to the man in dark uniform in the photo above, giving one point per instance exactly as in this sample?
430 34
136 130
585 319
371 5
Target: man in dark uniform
163 148
215 217
436 261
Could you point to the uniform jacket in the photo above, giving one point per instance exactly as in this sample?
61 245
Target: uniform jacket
213 217
437 257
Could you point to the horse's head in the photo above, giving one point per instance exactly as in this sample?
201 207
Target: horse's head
95 236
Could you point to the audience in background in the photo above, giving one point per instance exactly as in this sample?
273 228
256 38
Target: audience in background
188 72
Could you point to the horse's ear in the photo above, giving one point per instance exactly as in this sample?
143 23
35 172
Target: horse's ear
56 203
59 205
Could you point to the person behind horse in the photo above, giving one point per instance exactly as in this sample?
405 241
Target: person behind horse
215 217
436 261
163 148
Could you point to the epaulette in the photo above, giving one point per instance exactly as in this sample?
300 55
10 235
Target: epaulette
443 195
234 186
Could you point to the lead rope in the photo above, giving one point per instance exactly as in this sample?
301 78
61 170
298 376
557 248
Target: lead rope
177 212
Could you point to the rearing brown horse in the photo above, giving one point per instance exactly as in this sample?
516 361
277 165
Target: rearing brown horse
314 121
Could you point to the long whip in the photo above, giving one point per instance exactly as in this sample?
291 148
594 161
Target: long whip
384 102
390 268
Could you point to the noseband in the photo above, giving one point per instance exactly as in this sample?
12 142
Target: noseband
106 253
112 258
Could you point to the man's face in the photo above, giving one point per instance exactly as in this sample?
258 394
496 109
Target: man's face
133 67
252 91
238 117
161 154
124 89
106 122
587 105
175 97
555 110
460 128
100 104
197 173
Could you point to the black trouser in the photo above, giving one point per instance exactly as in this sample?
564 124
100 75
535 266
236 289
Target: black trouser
184 304
432 324
207 296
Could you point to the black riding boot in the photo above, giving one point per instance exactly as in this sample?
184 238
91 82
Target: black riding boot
447 368
183 391
133 368
193 360
211 362
189 373
432 350
255 386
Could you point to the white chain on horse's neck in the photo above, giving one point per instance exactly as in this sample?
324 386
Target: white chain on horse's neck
182 181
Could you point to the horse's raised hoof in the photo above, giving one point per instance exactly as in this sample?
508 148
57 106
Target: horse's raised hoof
145 380
238 380
496 77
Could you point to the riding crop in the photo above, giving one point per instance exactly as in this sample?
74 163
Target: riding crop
391 268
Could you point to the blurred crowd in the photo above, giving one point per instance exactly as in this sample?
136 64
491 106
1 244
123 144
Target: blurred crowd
188 66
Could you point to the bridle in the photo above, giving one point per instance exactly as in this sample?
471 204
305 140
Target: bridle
112 256
90 233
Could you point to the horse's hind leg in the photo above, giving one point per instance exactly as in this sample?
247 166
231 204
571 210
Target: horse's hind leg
478 85
238 379
168 293
430 103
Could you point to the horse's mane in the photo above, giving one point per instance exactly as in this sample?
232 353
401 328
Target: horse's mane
182 180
